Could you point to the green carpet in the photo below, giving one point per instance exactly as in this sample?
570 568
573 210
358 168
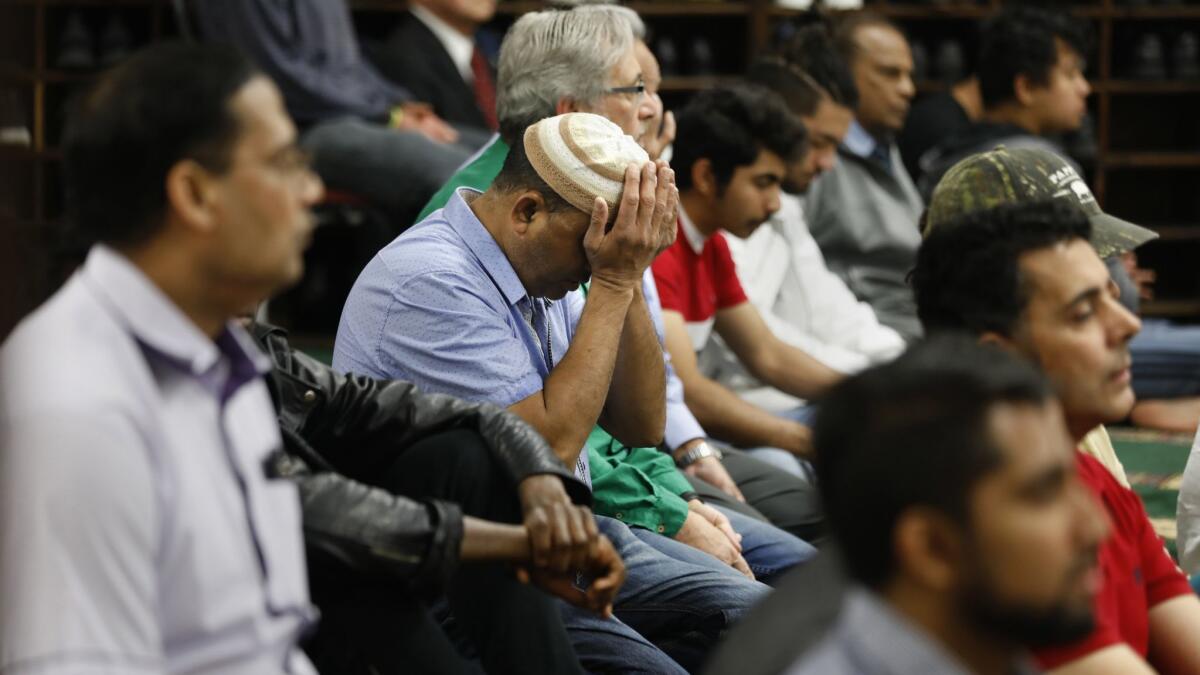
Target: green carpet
1154 463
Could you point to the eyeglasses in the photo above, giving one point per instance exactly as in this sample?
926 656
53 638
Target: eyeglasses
637 90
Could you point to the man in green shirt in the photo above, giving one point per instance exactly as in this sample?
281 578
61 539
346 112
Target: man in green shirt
641 486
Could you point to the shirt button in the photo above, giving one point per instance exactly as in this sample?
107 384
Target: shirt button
662 528
310 396
620 516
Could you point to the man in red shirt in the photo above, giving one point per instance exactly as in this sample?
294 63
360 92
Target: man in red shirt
1020 272
732 146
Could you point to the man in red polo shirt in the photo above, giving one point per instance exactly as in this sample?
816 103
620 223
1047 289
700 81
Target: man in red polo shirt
732 145
1009 260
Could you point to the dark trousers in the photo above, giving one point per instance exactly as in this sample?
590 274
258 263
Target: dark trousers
508 626
780 498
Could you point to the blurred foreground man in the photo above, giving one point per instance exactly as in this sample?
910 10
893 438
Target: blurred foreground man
142 528
949 482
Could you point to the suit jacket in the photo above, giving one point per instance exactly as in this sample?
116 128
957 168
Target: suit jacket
413 57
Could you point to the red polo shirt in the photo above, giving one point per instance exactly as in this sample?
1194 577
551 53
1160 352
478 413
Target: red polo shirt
1138 572
696 277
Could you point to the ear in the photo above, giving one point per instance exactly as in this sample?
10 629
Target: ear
704 180
994 339
525 211
929 548
567 104
1023 89
190 192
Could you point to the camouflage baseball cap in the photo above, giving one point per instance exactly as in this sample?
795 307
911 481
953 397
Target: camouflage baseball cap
1021 175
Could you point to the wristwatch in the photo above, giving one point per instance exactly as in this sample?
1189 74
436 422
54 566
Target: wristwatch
698 452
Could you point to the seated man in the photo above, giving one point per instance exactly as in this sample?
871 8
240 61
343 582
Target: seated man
949 480
434 52
780 266
481 301
141 531
373 555
863 212
1023 276
367 134
731 152
643 486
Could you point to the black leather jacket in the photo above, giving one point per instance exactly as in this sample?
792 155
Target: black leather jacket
342 431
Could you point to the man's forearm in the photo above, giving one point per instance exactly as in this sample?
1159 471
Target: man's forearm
485 540
635 411
575 391
796 372
724 415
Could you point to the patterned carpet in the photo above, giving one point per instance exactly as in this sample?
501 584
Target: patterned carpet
1154 462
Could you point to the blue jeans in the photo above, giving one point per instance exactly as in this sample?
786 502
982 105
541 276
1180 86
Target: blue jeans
675 604
768 550
782 459
1166 360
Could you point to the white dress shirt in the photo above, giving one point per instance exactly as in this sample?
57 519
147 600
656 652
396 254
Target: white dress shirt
460 47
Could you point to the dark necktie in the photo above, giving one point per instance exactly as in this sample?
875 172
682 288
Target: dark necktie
485 89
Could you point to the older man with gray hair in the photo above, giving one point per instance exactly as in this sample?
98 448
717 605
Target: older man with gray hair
581 44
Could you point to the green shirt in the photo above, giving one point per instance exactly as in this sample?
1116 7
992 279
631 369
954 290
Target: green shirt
639 486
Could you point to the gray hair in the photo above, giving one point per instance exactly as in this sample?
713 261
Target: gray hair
551 55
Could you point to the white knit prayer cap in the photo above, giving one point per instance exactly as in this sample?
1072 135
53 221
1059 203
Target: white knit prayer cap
582 156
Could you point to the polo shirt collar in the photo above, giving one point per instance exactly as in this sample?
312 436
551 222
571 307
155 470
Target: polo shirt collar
694 237
477 238
160 326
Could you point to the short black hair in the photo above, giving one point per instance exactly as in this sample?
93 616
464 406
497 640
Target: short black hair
167 103
806 69
518 173
1022 41
968 276
729 125
845 31
912 433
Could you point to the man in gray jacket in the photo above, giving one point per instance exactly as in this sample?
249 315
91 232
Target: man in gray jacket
863 212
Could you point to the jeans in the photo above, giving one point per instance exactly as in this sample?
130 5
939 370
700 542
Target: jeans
671 611
1166 360
775 495
394 170
768 550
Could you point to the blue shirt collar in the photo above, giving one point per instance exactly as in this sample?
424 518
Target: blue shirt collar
858 141
160 326
481 242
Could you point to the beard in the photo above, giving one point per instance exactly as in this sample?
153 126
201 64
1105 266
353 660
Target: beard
1031 626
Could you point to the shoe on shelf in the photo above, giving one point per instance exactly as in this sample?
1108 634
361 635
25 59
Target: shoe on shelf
950 64
116 42
668 56
701 57
1185 57
14 127
1149 58
75 48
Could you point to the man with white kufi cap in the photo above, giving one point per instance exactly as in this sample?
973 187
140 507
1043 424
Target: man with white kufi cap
482 302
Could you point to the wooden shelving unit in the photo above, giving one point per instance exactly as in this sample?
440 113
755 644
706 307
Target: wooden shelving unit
1151 180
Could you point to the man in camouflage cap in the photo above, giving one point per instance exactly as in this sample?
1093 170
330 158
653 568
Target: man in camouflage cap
1025 175
1166 356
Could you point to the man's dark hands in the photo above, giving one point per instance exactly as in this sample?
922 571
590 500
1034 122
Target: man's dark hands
566 545
603 567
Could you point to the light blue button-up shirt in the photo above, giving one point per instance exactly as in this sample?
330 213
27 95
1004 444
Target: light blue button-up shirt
138 530
442 307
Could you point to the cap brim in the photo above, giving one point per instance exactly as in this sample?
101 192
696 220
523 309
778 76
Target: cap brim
1112 236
